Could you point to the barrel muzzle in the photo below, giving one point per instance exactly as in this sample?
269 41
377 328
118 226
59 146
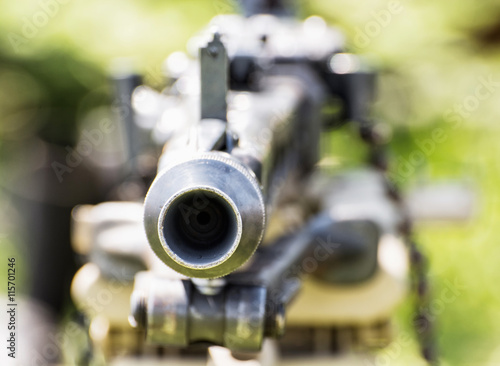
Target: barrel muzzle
205 216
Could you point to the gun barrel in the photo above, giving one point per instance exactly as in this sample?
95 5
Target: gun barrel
205 216
205 212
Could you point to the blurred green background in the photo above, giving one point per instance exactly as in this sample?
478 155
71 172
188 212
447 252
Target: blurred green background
433 55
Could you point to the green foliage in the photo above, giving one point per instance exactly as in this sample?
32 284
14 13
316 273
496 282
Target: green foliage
437 53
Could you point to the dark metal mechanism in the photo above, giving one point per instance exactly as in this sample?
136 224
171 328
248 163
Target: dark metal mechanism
235 215
219 182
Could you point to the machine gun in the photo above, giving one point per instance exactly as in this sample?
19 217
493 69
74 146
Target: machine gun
242 227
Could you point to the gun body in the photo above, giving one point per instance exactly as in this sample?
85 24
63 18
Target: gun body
236 219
